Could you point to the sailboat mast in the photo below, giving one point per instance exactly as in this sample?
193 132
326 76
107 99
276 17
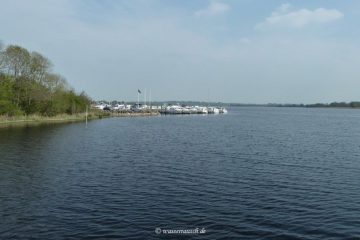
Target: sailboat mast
145 98
150 99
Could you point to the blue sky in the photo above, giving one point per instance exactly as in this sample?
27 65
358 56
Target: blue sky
248 51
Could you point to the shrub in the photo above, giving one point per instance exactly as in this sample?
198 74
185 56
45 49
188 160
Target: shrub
8 108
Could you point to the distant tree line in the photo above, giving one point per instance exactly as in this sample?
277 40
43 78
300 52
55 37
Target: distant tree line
336 105
316 105
28 86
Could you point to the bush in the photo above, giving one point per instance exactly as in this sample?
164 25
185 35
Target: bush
10 109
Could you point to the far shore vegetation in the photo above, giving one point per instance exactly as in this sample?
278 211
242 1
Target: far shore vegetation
316 105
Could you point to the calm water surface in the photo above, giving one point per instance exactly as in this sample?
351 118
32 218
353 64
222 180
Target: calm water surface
256 173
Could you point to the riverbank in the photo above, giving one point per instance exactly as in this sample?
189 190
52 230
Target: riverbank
63 118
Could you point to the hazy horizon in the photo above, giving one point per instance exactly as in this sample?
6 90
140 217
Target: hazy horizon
229 51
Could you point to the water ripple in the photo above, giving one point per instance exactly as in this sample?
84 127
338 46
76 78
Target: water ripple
256 173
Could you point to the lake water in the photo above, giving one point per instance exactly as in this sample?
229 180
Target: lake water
255 173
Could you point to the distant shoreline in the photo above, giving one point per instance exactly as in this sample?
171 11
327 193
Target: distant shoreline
269 106
334 105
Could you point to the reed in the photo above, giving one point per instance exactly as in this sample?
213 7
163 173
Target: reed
35 118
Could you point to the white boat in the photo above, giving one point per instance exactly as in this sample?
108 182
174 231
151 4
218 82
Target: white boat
102 106
186 110
223 110
119 107
193 110
213 110
174 109
202 110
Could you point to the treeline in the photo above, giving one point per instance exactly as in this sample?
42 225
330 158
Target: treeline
336 105
315 105
319 105
29 86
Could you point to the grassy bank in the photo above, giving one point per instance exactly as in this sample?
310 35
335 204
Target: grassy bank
62 118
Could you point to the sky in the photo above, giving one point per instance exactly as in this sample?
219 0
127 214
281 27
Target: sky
244 51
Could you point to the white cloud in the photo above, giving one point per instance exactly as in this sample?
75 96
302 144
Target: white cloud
285 7
214 8
283 17
173 54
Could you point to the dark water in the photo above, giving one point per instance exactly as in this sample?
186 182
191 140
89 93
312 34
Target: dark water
256 173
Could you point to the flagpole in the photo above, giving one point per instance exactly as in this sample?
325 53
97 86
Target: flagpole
138 99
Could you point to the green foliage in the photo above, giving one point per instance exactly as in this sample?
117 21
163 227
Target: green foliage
8 108
27 86
6 88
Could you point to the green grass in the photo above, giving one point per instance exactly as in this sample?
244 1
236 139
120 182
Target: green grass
36 119
19 120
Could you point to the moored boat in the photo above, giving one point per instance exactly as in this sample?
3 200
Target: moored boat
174 109
213 110
223 110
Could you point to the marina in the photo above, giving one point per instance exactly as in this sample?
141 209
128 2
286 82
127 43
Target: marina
177 109
164 109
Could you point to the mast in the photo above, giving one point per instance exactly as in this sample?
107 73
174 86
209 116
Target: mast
150 99
145 98
138 98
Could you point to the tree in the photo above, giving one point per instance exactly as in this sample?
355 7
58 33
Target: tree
355 104
39 66
17 61
54 81
28 85
6 97
2 57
